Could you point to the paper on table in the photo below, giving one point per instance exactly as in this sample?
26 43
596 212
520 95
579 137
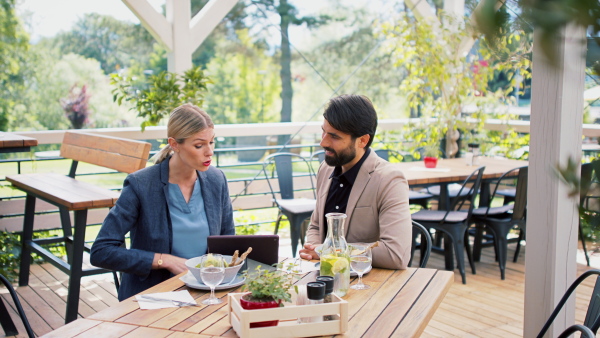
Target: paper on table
183 296
442 170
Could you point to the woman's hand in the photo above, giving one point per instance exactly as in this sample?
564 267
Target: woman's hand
309 252
174 264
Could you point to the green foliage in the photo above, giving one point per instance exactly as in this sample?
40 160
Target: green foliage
548 17
14 44
51 78
114 43
164 92
264 284
10 254
441 80
245 84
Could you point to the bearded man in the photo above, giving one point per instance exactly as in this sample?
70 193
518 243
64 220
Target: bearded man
372 192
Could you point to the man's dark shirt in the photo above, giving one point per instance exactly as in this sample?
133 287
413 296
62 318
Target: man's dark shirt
341 186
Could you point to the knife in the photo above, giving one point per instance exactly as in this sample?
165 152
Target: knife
175 302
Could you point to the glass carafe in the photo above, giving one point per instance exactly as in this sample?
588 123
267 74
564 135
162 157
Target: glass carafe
335 255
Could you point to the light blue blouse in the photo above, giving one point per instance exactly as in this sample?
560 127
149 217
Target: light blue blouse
190 226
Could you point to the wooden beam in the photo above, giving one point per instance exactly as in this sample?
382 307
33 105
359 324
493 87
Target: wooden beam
153 21
467 43
421 9
179 13
552 225
207 19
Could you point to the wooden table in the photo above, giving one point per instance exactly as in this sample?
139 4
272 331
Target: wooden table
456 171
11 143
399 303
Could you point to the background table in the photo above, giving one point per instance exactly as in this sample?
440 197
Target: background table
399 303
12 143
455 170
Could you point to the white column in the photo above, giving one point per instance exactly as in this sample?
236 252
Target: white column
179 14
455 7
552 220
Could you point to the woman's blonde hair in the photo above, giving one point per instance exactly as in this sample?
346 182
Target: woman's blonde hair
184 121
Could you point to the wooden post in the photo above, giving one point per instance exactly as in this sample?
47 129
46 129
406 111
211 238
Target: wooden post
178 32
552 222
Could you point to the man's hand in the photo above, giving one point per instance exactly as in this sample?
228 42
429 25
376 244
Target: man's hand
309 252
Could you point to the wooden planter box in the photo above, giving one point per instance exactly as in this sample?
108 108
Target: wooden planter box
288 315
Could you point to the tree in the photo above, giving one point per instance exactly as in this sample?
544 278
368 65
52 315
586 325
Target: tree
114 43
288 16
14 44
440 82
547 16
244 84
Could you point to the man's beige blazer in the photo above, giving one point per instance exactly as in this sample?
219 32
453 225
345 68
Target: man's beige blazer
377 211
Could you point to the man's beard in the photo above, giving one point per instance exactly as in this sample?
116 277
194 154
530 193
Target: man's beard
344 157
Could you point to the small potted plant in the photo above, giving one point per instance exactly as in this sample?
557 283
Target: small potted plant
267 289
431 154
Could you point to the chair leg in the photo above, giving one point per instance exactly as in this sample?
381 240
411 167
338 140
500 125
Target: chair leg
521 237
587 257
277 223
448 255
477 242
460 257
469 254
7 323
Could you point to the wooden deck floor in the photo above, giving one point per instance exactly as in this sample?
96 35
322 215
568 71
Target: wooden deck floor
485 307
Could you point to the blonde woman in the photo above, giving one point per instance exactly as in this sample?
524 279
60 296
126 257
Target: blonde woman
169 208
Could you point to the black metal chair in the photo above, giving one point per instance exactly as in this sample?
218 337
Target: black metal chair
498 221
592 317
584 331
278 167
5 320
424 244
453 223
588 172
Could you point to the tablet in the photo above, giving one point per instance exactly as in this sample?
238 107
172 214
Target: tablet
265 248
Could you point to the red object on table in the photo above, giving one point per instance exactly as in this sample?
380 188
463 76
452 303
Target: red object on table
430 162
252 305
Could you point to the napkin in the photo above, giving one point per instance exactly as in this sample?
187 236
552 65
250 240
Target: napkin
146 304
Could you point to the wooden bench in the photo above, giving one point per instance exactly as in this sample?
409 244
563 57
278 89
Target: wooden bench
70 194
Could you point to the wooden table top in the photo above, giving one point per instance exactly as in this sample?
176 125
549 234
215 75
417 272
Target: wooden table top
65 191
456 170
399 303
10 140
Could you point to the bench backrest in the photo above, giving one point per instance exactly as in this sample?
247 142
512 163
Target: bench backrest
111 152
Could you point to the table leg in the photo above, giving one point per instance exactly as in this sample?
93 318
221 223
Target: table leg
26 238
76 266
65 222
444 197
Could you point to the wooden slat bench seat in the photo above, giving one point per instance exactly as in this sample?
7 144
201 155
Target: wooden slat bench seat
70 194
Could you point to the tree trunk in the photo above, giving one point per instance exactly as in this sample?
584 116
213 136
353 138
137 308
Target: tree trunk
286 73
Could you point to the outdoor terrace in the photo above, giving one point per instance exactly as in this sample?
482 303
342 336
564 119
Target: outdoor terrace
485 306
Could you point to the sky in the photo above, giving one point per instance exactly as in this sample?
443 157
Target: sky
49 17
46 18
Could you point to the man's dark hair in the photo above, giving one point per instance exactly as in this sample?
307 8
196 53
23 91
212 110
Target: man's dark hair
352 114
